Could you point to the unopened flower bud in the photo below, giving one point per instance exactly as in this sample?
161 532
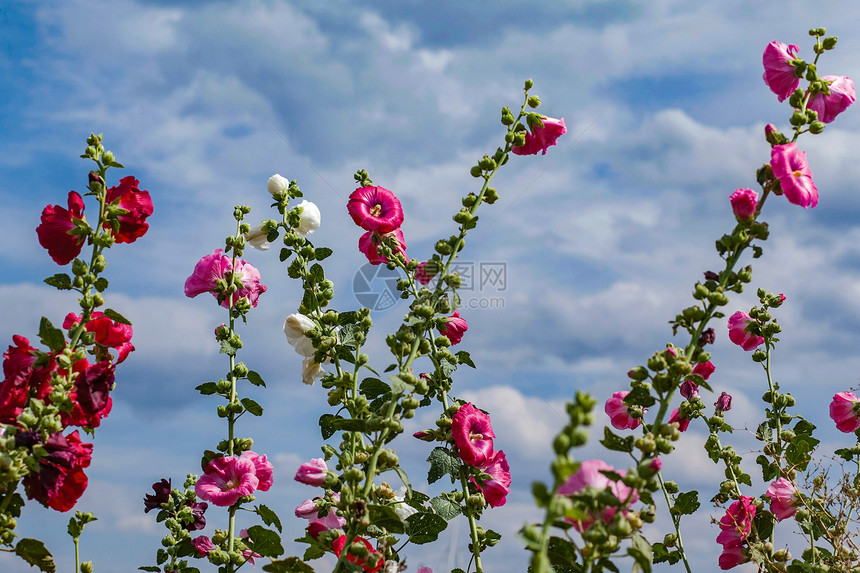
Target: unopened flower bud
277 185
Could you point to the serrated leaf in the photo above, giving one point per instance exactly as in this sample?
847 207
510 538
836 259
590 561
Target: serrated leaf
446 508
51 336
322 253
265 541
424 527
687 503
74 528
288 565
463 357
446 367
316 273
614 442
101 284
764 432
255 379
384 516
640 550
561 552
399 386
36 554
228 348
348 317
116 317
442 462
268 516
61 281
252 406
207 388
372 388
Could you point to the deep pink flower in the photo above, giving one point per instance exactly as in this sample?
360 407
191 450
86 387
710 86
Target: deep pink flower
676 418
704 369
619 412
473 434
368 244
454 328
842 412
778 73
744 202
426 271
313 472
60 481
588 475
723 403
262 469
541 138
109 333
840 97
689 389
212 268
738 333
732 556
375 209
783 498
795 177
735 526
57 232
227 479
130 225
203 545
498 486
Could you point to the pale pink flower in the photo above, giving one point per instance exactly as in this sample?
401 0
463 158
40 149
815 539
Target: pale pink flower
588 475
795 177
375 209
541 138
473 434
454 328
744 202
262 468
619 412
203 545
368 244
783 498
676 418
840 97
842 411
498 486
227 479
310 511
212 268
778 73
313 472
307 510
739 333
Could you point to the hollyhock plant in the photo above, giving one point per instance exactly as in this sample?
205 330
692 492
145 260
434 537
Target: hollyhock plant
108 332
795 177
368 244
338 545
136 205
739 334
843 411
375 209
542 137
588 475
783 498
498 485
295 327
61 480
213 268
619 412
744 202
313 472
829 105
226 479
778 72
63 231
473 434
454 328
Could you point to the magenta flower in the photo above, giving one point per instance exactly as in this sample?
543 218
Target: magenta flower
473 434
375 209
732 556
368 244
704 369
588 475
689 389
783 498
676 418
227 479
739 334
108 333
214 268
723 403
619 412
795 177
313 472
541 138
454 328
58 230
735 526
262 469
744 202
203 545
426 271
778 72
843 412
840 97
498 485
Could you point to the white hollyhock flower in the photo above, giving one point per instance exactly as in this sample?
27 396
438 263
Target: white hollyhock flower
256 237
295 327
310 218
402 509
311 371
277 184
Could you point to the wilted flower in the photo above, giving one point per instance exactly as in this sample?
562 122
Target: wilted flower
830 105
723 403
162 495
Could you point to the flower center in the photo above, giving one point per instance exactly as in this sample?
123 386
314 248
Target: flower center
376 210
474 437
231 484
797 174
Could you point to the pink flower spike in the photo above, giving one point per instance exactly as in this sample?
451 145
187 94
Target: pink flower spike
498 486
783 498
778 72
473 434
619 412
375 209
675 418
744 202
203 545
739 333
840 97
795 177
368 244
542 138
843 412
454 328
227 479
262 468
313 472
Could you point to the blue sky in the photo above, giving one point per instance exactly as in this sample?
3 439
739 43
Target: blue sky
602 238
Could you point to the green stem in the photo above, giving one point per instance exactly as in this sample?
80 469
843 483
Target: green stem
77 556
675 521
473 526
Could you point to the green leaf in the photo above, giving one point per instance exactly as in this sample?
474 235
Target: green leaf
326 424
615 442
384 516
268 516
845 454
349 424
152 568
316 273
442 462
663 555
207 388
34 552
390 367
640 550
255 379
372 388
116 317
101 284
228 348
61 281
446 508
562 553
639 396
764 432
288 565
348 317
265 541
798 451
424 527
399 386
346 335
687 503
447 367
464 358
284 255
51 336
322 253
252 406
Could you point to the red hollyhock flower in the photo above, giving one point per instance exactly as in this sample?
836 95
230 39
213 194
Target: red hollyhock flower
337 547
17 366
109 334
90 400
60 481
131 225
58 230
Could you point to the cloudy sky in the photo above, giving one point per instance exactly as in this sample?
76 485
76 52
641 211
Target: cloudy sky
600 240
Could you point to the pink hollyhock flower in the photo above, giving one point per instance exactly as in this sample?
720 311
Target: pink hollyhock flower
704 369
131 225
739 333
541 138
203 545
843 412
735 526
109 334
426 271
310 511
795 177
307 510
59 232
588 475
61 480
676 418
368 244
454 328
840 97
212 268
338 545
783 498
498 485
619 412
375 209
744 202
313 472
250 556
732 556
262 469
723 403
227 479
778 72
473 434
